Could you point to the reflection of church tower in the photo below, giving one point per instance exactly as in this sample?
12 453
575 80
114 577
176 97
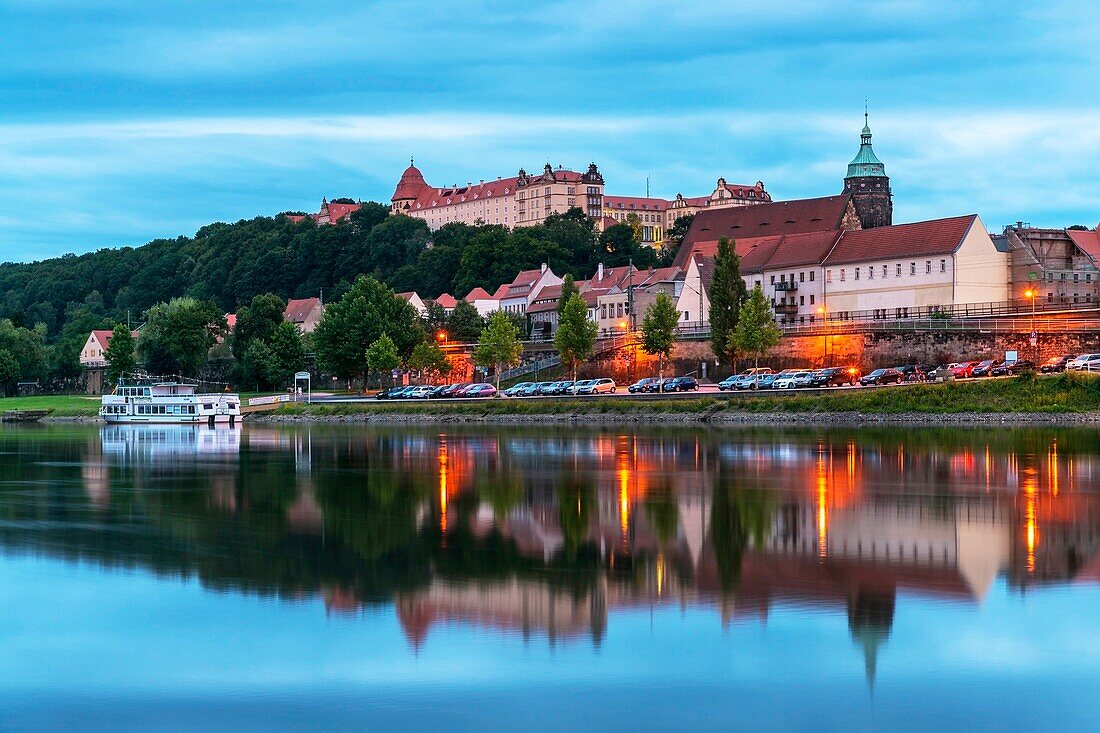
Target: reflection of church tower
869 185
870 616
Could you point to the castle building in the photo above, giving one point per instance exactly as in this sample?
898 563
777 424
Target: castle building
868 184
521 200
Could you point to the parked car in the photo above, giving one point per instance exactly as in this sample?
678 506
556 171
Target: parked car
963 369
786 380
802 379
391 393
729 382
602 385
419 392
516 389
464 389
453 389
482 389
641 384
577 386
1009 368
983 369
680 384
562 388
765 381
1055 364
834 377
882 376
1084 362
547 389
655 385
438 391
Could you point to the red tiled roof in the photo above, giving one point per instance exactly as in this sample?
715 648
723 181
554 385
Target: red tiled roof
785 250
550 292
297 310
501 290
446 300
430 197
660 275
1088 241
635 203
543 306
231 320
411 184
408 295
919 239
781 217
477 294
103 336
296 218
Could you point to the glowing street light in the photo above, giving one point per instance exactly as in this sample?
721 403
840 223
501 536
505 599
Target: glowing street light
441 336
824 339
1030 294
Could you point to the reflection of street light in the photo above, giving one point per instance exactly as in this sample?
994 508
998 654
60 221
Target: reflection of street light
824 338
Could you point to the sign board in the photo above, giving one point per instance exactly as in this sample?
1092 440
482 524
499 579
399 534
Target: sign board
1033 276
301 375
1012 356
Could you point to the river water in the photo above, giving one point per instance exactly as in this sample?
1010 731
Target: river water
450 579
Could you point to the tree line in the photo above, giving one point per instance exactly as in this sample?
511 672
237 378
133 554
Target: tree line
57 302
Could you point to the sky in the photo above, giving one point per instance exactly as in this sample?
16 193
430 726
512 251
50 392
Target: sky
124 121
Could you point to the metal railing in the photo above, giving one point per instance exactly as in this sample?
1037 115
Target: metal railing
530 368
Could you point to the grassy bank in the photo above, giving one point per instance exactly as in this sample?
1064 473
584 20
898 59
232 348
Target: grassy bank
1060 394
58 405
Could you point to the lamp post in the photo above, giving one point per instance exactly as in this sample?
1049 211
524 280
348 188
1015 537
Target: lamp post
824 337
1030 294
625 328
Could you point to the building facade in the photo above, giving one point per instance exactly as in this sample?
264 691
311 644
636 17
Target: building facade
868 184
1060 265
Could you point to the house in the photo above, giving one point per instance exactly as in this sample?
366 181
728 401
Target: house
480 299
305 313
447 301
522 291
92 353
415 301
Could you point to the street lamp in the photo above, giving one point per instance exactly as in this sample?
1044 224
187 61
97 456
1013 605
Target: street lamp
1030 294
824 338
625 327
441 336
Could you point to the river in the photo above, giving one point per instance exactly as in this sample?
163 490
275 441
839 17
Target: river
458 579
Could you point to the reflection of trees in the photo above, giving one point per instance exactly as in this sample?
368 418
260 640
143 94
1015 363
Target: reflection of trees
576 500
663 513
738 516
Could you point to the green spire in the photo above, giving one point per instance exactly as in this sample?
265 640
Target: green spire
866 163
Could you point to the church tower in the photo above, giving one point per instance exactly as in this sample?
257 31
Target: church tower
869 185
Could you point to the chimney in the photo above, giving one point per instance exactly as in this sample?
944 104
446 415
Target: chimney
543 267
599 273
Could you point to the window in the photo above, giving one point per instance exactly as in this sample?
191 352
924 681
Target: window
773 279
871 273
811 298
802 300
828 276
884 271
912 268
857 273
928 267
603 311
842 274
801 277
811 275
1076 277
899 270
943 265
1063 277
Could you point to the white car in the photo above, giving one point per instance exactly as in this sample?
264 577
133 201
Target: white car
1084 362
787 381
802 379
597 386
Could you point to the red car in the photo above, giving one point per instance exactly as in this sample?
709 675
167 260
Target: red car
480 390
964 369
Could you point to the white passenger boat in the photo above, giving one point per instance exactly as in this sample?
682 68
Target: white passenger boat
170 403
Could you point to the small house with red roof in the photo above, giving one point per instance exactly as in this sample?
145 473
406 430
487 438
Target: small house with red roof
480 299
415 301
92 353
447 301
519 294
305 313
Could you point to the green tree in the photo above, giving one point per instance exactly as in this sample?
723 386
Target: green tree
635 223
289 352
120 353
258 365
464 324
499 345
428 359
576 336
257 321
674 235
350 325
382 355
568 289
10 373
756 330
178 334
727 293
658 327
618 247
435 318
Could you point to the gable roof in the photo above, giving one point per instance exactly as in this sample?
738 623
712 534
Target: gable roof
446 300
297 310
761 220
919 239
785 250
1088 241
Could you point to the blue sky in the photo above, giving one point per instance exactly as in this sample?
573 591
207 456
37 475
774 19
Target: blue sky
122 121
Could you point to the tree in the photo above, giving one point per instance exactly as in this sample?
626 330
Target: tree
464 324
618 247
350 325
568 289
674 235
9 372
429 359
178 334
257 321
756 330
635 223
382 355
727 293
289 352
658 326
499 345
576 336
120 353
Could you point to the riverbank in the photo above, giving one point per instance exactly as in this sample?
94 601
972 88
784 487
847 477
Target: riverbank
1054 400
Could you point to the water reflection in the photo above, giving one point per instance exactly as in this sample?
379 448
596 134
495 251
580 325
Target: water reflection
550 534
